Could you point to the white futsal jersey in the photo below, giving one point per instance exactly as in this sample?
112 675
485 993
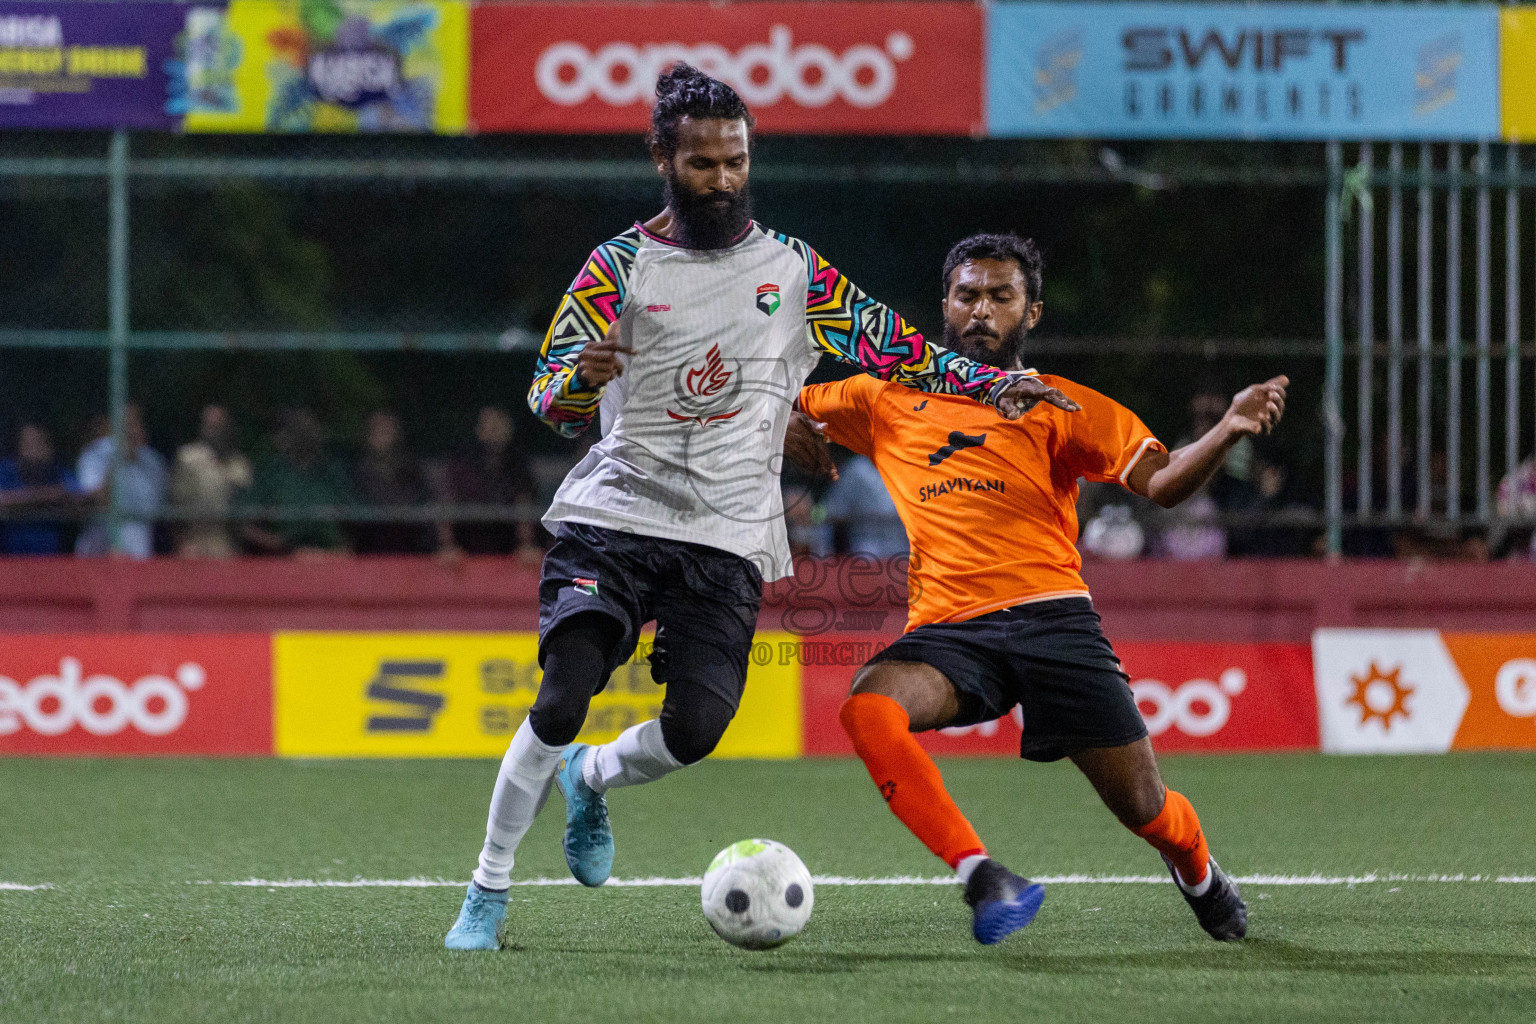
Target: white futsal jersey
693 432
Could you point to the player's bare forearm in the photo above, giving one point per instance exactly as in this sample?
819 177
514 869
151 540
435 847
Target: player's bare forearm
1170 478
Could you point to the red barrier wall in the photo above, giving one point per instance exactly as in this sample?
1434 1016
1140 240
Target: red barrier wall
1234 601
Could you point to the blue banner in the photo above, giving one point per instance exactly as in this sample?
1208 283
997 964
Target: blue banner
1262 71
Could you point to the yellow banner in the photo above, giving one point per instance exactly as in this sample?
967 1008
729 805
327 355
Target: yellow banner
1517 73
331 66
465 694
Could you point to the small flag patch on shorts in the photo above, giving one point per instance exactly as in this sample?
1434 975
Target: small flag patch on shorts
585 586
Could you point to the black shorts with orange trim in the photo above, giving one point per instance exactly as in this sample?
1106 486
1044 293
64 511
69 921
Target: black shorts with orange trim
1050 658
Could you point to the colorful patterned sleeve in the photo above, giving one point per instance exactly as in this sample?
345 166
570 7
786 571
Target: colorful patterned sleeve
592 302
845 322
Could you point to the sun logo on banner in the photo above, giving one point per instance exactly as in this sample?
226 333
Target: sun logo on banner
1380 695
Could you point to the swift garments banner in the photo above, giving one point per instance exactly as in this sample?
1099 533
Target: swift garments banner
824 68
1256 71
465 694
1192 696
136 693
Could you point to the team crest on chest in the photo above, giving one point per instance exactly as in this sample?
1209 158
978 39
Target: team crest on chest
768 298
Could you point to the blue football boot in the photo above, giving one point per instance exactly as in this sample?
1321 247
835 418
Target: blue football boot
479 923
588 837
1001 902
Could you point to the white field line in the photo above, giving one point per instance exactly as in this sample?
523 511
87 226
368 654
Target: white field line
1350 881
845 880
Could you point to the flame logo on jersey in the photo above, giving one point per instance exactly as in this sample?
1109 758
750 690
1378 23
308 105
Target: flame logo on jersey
705 389
707 380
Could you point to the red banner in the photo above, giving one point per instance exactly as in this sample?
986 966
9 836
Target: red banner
823 68
1193 697
136 693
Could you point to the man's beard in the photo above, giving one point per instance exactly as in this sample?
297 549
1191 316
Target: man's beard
983 348
703 220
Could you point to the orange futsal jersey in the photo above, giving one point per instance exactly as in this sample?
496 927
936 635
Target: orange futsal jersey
989 504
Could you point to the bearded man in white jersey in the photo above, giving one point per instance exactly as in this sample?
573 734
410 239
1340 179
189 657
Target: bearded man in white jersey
690 336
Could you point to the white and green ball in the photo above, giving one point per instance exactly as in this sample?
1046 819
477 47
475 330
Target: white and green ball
757 894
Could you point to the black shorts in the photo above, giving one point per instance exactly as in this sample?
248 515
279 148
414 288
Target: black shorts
704 601
1050 657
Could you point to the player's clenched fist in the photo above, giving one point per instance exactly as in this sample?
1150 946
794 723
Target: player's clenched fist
1257 408
599 362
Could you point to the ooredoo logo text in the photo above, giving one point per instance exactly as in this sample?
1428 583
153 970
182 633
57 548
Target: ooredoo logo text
764 73
102 705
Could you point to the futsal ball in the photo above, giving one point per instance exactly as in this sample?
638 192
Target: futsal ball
757 894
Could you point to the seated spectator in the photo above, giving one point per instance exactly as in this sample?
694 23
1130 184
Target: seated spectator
1517 511
1437 538
862 515
34 481
388 476
491 470
139 490
809 533
300 476
210 472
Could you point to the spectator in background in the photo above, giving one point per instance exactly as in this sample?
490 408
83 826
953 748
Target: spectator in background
140 489
387 475
809 533
1517 511
34 480
491 470
861 513
210 473
300 476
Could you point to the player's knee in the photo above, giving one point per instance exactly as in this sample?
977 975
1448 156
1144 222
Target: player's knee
692 733
1140 803
556 723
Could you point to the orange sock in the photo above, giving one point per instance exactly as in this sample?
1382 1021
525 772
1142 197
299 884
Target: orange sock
907 776
1175 832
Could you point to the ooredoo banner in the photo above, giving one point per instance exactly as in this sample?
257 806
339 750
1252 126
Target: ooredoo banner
136 693
825 68
1424 691
465 694
1209 70
1192 696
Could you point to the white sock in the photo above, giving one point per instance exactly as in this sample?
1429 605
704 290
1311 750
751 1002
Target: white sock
968 865
522 786
639 755
1205 883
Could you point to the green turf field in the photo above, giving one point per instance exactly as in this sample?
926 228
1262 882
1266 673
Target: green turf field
129 932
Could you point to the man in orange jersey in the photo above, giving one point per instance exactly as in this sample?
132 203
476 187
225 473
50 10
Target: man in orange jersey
998 612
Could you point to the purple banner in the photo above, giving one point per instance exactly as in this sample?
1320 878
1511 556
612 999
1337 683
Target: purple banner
87 65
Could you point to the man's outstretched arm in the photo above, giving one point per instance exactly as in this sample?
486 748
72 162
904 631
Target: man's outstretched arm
1170 477
847 324
578 357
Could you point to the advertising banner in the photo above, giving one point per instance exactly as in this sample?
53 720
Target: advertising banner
465 694
1256 71
1193 697
824 68
74 65
1517 71
329 66
1424 691
136 693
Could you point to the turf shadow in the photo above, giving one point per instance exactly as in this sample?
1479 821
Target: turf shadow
1279 955
848 963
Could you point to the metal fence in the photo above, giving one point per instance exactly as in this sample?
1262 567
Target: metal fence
1419 453
1386 206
